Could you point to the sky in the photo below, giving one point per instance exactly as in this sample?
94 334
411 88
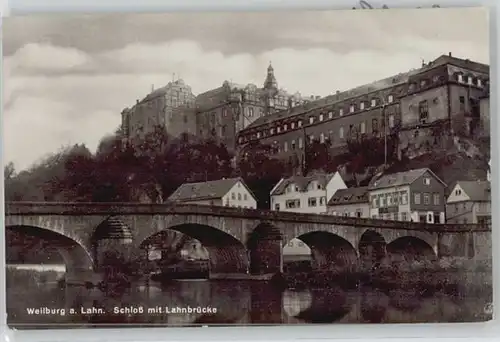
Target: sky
66 78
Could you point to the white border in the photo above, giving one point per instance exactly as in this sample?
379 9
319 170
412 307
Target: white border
489 331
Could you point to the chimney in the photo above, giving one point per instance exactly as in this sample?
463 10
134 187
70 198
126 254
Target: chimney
449 54
337 92
136 101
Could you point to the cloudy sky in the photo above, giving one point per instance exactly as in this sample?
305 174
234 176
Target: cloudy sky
67 78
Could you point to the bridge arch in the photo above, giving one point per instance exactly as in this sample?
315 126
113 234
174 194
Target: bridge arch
410 249
75 255
226 253
330 251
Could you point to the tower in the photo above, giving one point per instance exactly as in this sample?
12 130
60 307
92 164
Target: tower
270 82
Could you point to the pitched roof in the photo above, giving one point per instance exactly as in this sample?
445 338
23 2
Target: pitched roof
350 196
476 190
204 190
302 182
401 178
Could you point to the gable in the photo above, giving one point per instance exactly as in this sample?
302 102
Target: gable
458 194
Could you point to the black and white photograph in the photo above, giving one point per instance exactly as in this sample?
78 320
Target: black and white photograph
247 168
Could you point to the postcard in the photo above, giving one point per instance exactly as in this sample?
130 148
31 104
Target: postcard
247 168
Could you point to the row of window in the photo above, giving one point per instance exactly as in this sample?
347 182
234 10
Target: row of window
295 203
353 129
322 117
239 195
311 186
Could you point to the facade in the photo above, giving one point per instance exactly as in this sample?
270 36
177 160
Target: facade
445 90
469 202
171 106
230 192
350 202
415 195
306 194
221 113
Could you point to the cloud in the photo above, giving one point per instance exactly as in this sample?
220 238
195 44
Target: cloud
56 95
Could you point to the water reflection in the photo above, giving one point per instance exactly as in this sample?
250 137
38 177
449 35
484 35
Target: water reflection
235 303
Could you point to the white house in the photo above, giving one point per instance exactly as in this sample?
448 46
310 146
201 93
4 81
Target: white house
415 195
306 194
301 194
469 202
231 192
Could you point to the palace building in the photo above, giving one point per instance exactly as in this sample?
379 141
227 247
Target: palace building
222 113
448 90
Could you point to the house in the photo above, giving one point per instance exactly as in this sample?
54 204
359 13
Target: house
351 202
415 195
306 194
469 202
231 192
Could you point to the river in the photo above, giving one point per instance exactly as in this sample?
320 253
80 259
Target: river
219 302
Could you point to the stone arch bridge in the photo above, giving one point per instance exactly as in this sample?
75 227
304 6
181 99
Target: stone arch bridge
239 241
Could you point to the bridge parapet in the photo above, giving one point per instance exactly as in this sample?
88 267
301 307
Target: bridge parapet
83 209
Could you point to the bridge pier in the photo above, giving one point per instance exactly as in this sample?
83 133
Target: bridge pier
266 304
266 257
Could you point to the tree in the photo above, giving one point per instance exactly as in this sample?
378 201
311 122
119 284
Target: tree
9 171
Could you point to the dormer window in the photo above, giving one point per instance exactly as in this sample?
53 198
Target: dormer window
272 131
362 105
279 129
321 117
311 120
460 78
341 111
292 125
351 109
479 84
390 98
469 80
330 114
285 127
374 102
299 124
258 135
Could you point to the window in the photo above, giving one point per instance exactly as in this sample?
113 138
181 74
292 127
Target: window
312 201
311 138
436 199
460 78
292 204
285 127
362 128
374 125
423 110
293 145
358 213
322 137
469 80
341 111
277 207
341 132
374 201
390 98
404 216
233 196
250 112
311 119
258 135
292 125
321 117
362 105
239 197
417 198
391 120
300 143
462 99
479 84
272 131
351 109
279 129
427 181
322 200
330 115
458 192
299 124
427 198
374 102
285 146
404 198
